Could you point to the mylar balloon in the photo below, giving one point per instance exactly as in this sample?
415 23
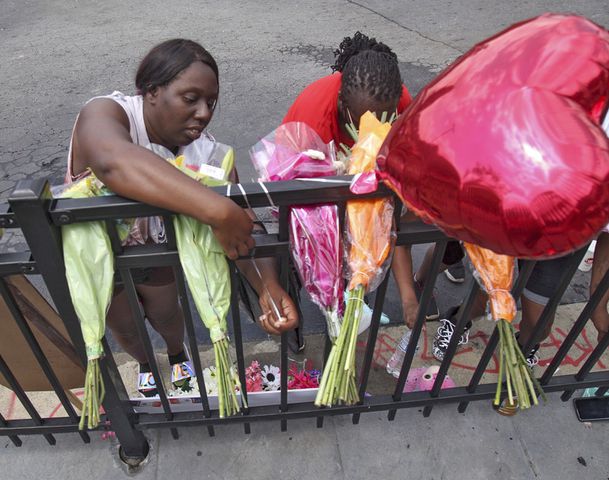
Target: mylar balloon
504 149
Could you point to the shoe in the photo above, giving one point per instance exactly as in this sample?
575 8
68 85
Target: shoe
366 319
445 333
146 384
432 312
456 273
532 358
182 372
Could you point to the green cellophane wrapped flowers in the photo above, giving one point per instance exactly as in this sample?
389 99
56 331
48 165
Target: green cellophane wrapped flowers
89 266
207 273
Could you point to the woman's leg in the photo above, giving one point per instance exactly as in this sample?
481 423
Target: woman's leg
164 313
531 312
121 323
600 317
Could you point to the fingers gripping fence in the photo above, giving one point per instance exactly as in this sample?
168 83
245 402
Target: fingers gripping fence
40 219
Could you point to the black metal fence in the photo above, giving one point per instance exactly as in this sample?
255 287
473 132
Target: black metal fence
39 217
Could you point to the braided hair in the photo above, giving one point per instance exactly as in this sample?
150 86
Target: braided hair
369 67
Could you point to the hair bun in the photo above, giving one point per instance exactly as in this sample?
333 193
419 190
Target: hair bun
351 46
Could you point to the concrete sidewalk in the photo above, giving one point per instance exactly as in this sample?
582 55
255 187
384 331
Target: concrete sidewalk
545 443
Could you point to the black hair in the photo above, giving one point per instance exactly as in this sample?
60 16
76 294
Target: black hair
368 66
167 60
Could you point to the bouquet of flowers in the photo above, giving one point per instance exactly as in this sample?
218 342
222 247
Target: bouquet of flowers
294 150
89 264
369 240
206 270
496 274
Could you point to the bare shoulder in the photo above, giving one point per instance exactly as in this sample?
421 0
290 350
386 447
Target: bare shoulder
103 110
102 119
101 130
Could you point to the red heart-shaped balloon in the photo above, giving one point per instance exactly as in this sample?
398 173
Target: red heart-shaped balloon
504 149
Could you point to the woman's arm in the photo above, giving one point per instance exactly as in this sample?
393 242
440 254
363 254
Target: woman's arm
404 275
402 272
270 293
102 142
600 265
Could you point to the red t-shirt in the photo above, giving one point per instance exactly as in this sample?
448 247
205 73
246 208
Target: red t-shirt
317 106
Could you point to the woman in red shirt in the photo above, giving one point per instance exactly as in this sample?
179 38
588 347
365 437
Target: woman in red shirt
367 77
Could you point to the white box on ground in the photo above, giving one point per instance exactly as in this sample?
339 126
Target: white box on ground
192 403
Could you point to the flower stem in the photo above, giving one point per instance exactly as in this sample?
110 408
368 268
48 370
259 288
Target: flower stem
338 382
519 379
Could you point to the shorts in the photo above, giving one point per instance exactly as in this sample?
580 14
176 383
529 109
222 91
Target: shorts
545 277
151 276
454 253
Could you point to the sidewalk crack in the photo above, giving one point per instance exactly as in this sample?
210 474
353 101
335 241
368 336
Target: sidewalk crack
340 456
404 27
525 450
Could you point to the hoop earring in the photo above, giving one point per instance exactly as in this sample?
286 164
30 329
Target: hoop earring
350 117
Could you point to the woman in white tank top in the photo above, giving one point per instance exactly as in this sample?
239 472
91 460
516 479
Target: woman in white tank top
125 140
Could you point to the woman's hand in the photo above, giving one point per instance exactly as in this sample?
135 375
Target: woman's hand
288 319
410 309
233 229
600 320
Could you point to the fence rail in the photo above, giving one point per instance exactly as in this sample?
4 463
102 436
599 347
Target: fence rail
40 219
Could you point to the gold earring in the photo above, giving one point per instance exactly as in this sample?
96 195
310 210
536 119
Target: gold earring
350 117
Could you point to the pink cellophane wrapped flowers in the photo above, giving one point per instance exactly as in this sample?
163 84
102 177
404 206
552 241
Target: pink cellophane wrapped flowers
294 150
317 251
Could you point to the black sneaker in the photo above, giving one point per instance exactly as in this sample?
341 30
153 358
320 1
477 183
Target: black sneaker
432 312
532 358
456 273
445 333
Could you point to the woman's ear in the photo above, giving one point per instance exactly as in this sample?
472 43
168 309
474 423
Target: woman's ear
151 95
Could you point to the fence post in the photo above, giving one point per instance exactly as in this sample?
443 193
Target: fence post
29 202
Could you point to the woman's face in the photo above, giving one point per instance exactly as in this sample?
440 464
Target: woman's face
179 112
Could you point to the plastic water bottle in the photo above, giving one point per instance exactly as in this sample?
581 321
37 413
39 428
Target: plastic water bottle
586 263
394 365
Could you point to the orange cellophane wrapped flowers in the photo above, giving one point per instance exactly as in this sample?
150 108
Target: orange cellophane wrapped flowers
369 238
496 274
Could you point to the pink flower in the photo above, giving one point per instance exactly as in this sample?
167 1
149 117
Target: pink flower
253 385
253 377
